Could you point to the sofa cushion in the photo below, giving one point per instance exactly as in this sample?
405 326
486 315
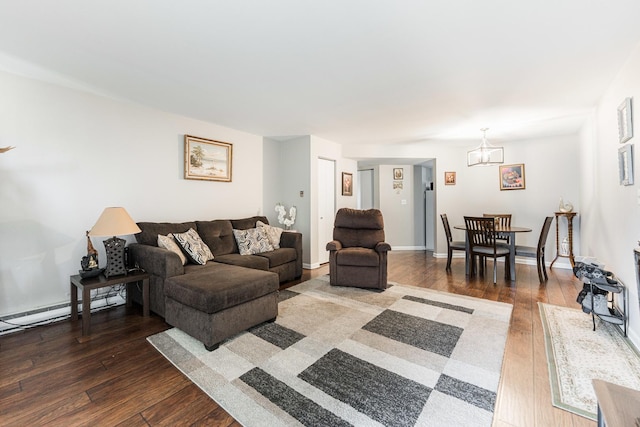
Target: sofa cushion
279 256
273 233
193 246
250 261
219 286
168 242
246 223
252 241
218 235
150 230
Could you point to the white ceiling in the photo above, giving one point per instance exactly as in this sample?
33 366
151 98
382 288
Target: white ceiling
358 71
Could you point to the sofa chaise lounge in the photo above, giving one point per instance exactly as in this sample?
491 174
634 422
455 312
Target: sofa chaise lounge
223 297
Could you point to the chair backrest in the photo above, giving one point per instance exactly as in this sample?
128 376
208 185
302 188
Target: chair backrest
358 228
544 233
480 231
502 220
447 228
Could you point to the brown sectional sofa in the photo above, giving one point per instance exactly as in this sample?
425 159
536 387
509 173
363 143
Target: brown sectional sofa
223 297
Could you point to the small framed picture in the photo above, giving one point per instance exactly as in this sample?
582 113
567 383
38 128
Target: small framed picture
625 164
397 185
512 177
625 121
207 159
347 184
398 174
449 178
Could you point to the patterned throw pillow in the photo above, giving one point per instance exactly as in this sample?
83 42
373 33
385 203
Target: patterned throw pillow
168 242
196 250
252 241
273 233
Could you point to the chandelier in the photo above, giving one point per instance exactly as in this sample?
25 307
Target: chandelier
486 154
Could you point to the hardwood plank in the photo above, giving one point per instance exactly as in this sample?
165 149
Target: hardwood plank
50 375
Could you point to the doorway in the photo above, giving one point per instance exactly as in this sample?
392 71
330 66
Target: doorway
365 189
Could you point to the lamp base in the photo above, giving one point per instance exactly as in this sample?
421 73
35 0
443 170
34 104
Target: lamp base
115 256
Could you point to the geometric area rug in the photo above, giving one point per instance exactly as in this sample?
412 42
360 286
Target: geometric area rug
576 355
339 356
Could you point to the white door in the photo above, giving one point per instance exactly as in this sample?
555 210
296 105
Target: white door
326 206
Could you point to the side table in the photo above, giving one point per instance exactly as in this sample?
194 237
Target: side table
569 216
88 284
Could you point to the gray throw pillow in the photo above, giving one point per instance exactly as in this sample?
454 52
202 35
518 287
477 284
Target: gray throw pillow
196 250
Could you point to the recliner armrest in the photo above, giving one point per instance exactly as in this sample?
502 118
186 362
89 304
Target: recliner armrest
334 245
382 247
155 260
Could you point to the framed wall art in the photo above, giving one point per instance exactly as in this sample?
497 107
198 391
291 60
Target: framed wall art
625 121
625 164
206 159
512 177
449 178
347 184
398 174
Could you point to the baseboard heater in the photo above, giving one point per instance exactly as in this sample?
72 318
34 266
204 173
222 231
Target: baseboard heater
45 315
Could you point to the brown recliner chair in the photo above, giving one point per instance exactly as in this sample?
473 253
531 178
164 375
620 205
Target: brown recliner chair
358 252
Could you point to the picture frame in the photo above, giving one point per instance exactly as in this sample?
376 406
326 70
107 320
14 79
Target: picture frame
512 177
207 159
397 185
449 178
398 174
625 121
347 184
625 164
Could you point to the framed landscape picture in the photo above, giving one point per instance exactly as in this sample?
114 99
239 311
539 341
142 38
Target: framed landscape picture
512 177
206 159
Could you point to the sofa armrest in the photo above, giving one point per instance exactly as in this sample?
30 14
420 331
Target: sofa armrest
382 247
334 245
155 260
293 240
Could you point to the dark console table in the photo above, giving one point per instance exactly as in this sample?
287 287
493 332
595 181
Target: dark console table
88 284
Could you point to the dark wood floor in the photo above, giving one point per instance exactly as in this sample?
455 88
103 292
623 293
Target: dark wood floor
50 375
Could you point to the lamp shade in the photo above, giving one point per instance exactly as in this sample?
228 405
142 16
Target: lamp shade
114 222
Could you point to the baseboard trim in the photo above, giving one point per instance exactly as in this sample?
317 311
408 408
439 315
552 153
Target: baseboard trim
45 315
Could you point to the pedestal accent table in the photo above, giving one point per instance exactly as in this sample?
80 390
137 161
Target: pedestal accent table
569 216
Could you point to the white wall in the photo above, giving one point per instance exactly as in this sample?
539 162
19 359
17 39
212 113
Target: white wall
78 153
551 168
322 148
611 224
294 161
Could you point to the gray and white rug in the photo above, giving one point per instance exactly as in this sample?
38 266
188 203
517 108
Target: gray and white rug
345 356
576 355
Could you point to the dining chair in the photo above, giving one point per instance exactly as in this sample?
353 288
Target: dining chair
538 251
502 220
451 244
481 237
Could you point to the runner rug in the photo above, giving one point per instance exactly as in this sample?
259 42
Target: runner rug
576 355
345 356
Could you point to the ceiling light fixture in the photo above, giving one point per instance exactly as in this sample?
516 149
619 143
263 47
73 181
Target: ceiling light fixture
486 154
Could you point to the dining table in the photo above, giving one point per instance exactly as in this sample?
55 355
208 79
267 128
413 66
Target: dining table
511 230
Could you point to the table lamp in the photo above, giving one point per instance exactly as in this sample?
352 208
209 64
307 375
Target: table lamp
114 222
